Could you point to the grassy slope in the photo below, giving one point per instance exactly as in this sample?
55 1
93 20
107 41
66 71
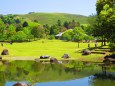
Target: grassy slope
51 18
54 48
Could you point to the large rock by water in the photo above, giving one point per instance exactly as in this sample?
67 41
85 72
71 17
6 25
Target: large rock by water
53 60
44 57
65 56
5 52
86 52
20 84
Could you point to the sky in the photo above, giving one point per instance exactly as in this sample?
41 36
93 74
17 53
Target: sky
82 7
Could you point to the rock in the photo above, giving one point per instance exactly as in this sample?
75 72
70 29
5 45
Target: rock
109 59
65 56
5 52
86 52
20 84
44 57
52 59
17 84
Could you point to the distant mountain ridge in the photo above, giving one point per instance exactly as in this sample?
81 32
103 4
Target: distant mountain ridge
52 18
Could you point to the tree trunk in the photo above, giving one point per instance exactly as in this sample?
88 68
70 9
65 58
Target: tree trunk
104 42
78 44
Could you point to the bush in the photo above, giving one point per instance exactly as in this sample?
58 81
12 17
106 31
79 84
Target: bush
112 46
51 37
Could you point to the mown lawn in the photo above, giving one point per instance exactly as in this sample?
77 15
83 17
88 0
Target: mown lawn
54 48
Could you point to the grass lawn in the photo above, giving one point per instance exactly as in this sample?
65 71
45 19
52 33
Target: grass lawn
54 48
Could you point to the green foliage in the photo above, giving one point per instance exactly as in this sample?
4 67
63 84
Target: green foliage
25 24
59 23
37 31
50 37
54 30
105 18
79 34
112 46
68 35
47 29
27 31
11 32
2 28
76 34
20 36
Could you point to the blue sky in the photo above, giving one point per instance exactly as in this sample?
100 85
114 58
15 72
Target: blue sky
83 7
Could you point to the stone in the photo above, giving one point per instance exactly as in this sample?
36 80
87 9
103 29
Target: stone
20 84
53 60
86 52
65 56
5 52
44 57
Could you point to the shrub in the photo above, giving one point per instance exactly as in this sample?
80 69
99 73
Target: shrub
51 37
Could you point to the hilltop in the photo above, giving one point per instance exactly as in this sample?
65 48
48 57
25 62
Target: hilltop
52 18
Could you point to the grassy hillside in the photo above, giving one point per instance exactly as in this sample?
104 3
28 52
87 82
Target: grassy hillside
51 18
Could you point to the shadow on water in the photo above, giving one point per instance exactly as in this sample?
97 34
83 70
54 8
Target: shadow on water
68 72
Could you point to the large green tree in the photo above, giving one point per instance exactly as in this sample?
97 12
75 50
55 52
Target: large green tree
11 31
105 19
19 36
27 31
54 30
37 32
79 34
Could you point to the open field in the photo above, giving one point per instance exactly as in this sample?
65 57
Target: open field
54 48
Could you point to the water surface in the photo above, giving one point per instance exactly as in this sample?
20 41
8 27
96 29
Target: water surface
71 73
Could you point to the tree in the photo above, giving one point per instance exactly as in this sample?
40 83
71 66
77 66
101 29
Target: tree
105 19
54 30
11 31
27 31
59 23
68 35
47 29
18 27
79 34
37 32
25 24
66 24
74 24
19 36
2 29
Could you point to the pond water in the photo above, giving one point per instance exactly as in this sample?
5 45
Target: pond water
68 73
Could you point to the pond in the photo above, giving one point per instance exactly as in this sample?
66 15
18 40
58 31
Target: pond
67 73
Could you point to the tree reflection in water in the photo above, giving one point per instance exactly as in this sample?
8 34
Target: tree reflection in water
105 78
36 72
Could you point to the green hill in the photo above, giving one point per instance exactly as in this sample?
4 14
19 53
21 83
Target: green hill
51 18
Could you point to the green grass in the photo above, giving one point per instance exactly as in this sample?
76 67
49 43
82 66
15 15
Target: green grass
52 18
54 48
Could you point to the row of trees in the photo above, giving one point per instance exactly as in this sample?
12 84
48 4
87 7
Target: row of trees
13 28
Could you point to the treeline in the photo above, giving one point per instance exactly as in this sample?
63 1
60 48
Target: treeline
14 28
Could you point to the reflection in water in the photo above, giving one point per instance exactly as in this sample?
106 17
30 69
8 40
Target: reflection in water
68 72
